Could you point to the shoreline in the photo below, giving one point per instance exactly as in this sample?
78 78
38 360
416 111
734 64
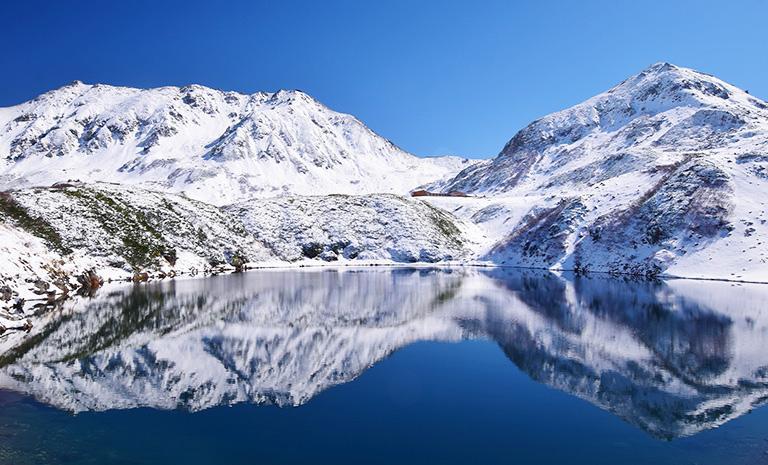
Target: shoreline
348 264
23 323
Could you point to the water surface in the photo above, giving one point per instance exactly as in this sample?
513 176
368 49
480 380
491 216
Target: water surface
392 366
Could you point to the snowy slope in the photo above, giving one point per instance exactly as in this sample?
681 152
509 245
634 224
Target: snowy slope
214 146
665 173
341 227
50 235
131 229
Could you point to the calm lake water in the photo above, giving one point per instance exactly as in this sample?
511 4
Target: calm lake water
369 366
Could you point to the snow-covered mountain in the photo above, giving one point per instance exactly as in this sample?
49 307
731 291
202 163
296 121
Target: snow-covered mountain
214 146
666 172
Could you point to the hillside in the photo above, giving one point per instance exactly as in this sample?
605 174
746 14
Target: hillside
50 237
662 175
339 227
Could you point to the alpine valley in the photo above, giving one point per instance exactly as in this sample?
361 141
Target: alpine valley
664 175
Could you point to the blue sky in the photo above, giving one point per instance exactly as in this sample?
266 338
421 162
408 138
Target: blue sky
434 77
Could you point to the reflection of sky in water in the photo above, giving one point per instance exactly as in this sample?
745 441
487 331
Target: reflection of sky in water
671 358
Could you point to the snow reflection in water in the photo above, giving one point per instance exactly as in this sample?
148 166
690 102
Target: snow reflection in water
673 358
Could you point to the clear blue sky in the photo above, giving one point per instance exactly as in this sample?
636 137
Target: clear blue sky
434 77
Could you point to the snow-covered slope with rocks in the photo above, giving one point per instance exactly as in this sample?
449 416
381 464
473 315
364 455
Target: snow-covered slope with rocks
211 145
664 173
341 227
50 236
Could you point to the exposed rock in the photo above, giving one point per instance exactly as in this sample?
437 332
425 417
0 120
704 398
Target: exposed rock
6 293
90 281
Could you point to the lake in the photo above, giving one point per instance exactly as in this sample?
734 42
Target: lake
392 365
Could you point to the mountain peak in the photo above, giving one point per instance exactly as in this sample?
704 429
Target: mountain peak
659 67
666 81
662 109
665 71
291 95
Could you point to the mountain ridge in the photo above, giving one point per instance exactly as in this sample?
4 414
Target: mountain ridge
216 146
573 124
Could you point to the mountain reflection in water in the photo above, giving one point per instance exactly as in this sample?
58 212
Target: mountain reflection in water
673 358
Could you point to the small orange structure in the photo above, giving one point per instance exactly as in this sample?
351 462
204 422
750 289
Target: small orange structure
423 193
420 193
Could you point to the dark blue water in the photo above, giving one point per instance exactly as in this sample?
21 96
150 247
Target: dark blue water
403 366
